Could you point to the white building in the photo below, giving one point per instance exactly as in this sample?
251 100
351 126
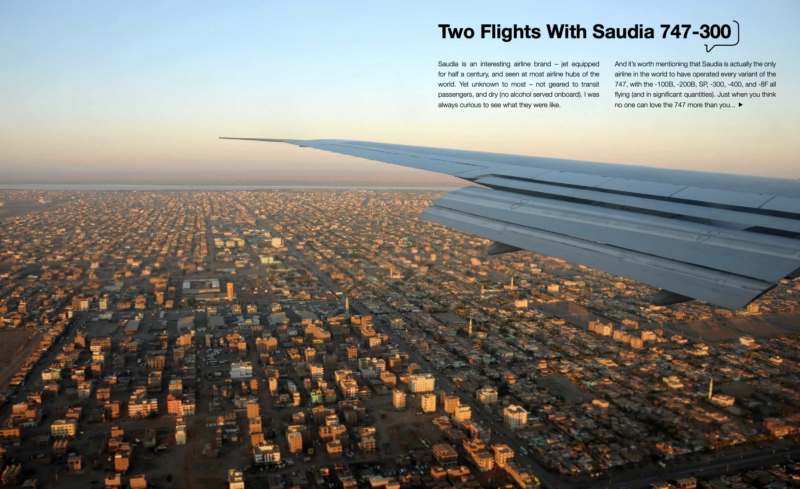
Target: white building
399 399
515 417
317 372
241 370
722 400
461 414
421 383
487 395
235 479
600 328
62 428
747 341
180 432
673 382
348 388
428 402
267 453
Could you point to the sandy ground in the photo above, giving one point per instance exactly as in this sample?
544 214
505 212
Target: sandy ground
560 384
13 208
15 347
731 329
714 330
571 312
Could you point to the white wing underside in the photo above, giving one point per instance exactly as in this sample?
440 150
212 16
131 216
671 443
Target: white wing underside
724 239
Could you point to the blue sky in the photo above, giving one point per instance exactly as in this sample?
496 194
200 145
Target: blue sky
145 88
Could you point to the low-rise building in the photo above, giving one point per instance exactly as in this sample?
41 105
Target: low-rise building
445 454
421 383
63 428
428 403
266 453
398 399
241 370
487 395
515 417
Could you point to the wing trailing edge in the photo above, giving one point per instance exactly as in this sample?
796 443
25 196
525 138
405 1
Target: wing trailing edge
725 239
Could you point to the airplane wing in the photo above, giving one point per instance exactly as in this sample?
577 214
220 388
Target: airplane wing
721 238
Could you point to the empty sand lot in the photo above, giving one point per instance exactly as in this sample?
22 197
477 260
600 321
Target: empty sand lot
16 346
730 330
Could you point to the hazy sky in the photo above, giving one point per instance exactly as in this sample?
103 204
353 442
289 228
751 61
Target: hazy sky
140 91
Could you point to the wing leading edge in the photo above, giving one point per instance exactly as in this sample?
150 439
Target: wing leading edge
725 239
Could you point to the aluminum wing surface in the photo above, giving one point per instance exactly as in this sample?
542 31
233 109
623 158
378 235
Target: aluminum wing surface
724 239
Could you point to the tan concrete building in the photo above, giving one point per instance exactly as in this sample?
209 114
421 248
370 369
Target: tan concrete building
295 442
63 429
428 403
515 417
399 399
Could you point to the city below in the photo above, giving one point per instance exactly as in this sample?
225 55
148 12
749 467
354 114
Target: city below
328 338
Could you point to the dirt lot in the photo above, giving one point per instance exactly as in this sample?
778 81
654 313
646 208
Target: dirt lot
15 347
731 329
713 330
571 312
13 208
702 330
737 389
561 385
451 320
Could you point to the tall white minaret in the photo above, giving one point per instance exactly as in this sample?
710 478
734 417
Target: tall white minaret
469 329
710 388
